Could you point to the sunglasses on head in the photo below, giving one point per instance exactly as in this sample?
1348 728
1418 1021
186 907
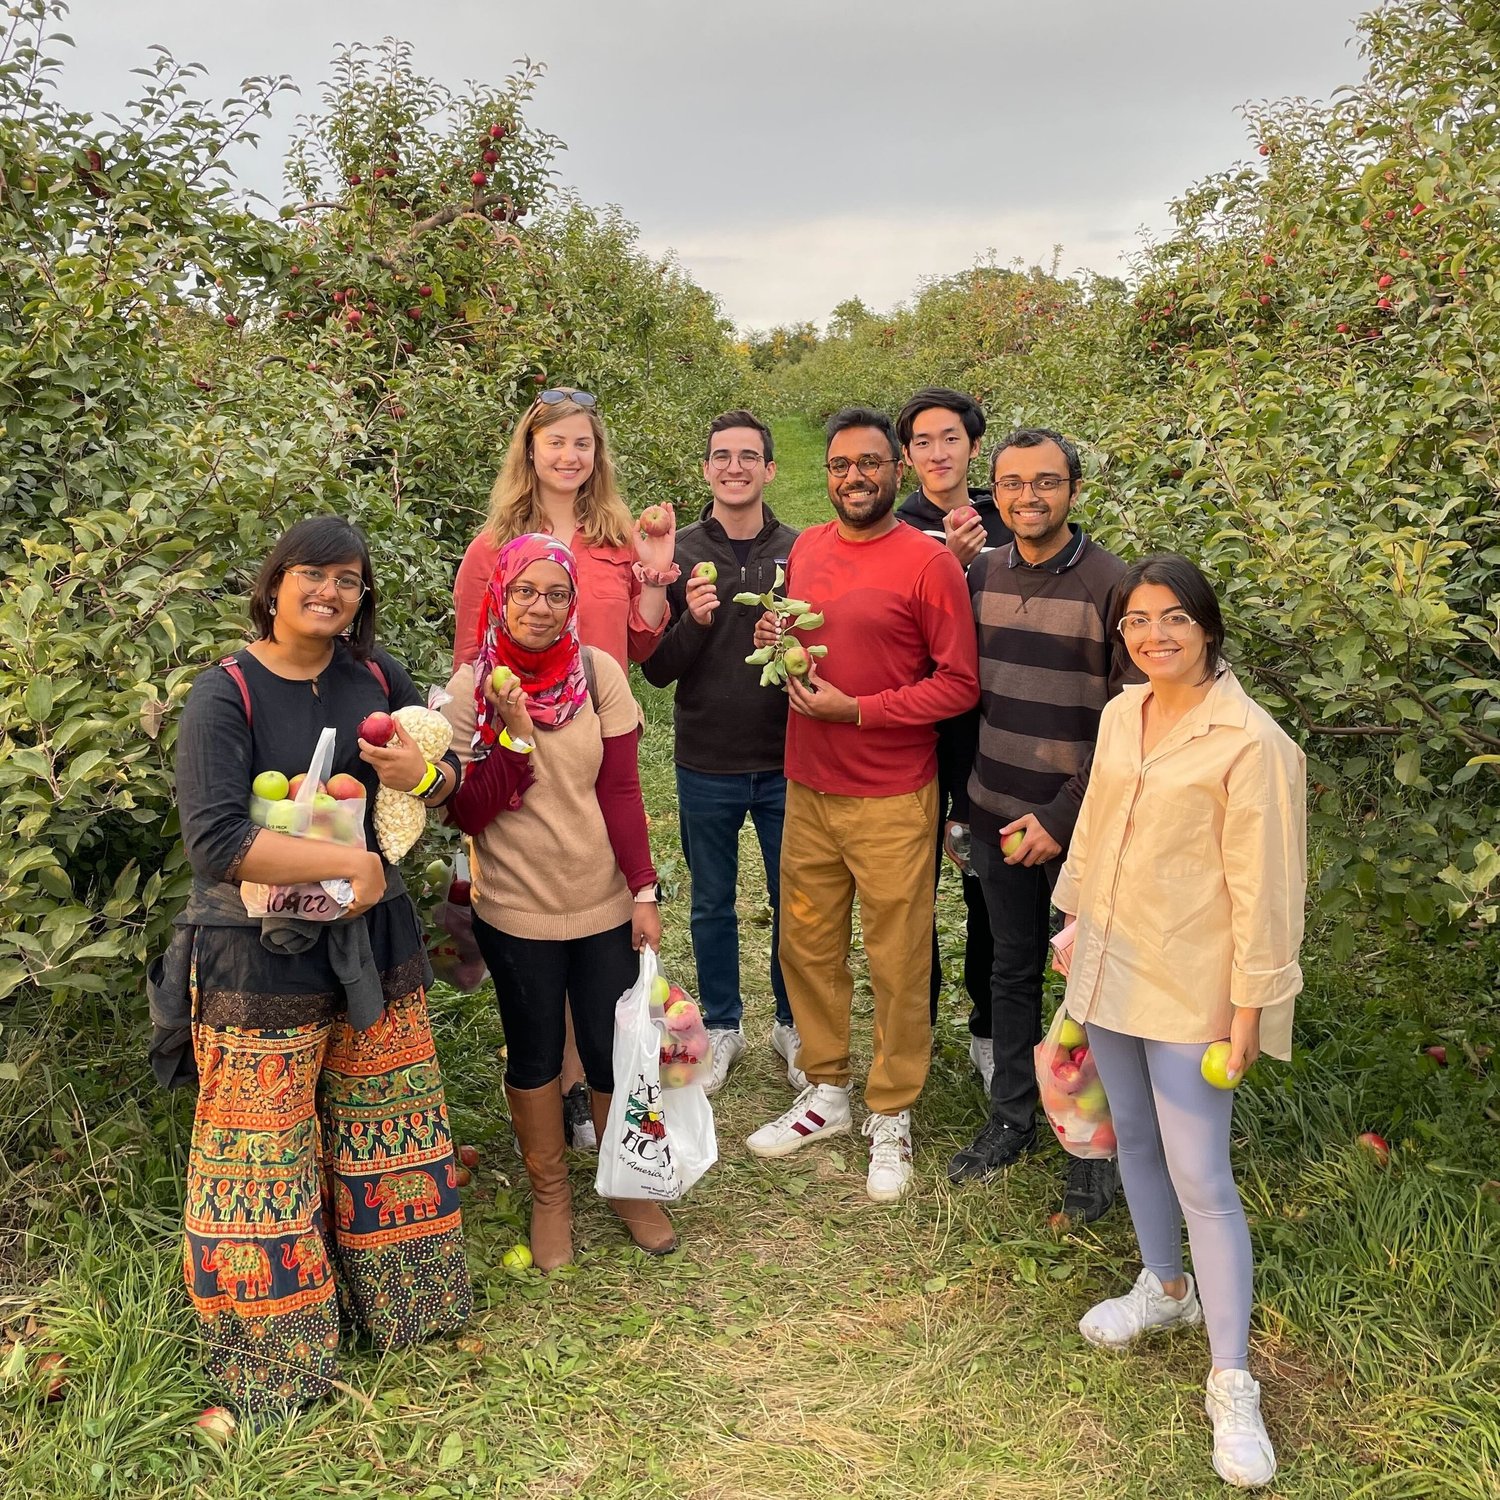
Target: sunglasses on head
557 396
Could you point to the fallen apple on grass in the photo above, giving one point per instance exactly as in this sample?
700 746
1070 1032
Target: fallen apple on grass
468 1156
1376 1145
52 1372
216 1424
517 1258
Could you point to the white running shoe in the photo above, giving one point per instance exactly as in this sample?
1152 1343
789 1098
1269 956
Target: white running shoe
890 1156
821 1109
728 1047
785 1042
982 1055
1118 1321
1243 1455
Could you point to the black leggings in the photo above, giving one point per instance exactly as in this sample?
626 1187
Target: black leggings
535 979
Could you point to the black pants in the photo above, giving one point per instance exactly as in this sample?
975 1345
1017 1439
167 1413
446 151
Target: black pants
979 950
1018 900
535 979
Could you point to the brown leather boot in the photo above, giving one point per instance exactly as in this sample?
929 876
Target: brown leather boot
647 1222
537 1117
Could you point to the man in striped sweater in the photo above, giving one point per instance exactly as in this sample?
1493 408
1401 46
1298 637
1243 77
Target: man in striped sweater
1041 604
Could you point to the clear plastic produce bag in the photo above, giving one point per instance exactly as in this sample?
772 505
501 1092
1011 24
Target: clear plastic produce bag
313 813
1072 1095
657 1142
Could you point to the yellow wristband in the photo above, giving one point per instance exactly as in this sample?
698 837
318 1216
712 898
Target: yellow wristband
427 783
523 747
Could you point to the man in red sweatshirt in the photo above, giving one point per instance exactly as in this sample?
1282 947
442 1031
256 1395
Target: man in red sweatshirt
861 804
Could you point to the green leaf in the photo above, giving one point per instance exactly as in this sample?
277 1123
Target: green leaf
452 1451
38 699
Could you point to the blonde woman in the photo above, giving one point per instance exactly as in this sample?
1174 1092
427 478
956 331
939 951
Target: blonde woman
558 478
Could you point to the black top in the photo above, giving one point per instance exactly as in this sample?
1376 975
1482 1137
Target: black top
218 755
726 723
917 510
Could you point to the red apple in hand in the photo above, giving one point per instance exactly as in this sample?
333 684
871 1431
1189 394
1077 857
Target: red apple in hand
655 521
378 729
962 516
458 893
706 570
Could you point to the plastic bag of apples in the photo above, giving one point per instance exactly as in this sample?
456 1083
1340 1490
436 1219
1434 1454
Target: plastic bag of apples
1072 1095
686 1052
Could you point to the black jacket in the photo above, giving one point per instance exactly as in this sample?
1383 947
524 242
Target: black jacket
727 724
958 737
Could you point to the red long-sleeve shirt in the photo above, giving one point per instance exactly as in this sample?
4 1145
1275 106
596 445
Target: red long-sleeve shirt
900 635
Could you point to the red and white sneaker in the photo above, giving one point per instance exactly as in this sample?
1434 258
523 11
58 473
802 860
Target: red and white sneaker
821 1109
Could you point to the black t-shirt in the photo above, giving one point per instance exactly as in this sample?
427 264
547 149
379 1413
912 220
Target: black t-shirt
219 754
741 550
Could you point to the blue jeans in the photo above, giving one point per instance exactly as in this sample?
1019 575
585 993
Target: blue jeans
711 811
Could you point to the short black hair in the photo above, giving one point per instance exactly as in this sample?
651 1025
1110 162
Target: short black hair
965 408
861 416
1171 570
315 543
1034 437
739 418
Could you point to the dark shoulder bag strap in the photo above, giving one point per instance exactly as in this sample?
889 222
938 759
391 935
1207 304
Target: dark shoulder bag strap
237 672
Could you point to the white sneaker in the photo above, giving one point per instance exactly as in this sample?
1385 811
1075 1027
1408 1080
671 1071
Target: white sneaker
728 1048
786 1042
890 1156
1243 1455
1118 1321
982 1055
821 1109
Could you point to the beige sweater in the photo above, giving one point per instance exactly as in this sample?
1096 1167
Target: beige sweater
547 870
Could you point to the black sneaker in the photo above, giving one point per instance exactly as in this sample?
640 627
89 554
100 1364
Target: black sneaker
996 1147
1091 1190
578 1119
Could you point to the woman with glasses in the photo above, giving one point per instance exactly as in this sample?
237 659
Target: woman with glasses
564 892
558 477
320 1182
1187 875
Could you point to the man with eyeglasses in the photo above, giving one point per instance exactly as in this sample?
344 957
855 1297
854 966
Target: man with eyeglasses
939 431
1041 605
861 802
730 738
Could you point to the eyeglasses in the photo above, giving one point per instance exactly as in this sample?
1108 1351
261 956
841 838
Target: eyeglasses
557 396
721 458
1043 484
869 464
1174 623
312 580
524 595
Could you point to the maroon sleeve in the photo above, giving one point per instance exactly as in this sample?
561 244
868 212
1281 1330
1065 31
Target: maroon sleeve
490 787
618 788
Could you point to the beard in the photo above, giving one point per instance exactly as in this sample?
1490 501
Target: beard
860 512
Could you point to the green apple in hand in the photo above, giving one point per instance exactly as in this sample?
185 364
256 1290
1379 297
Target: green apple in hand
1215 1066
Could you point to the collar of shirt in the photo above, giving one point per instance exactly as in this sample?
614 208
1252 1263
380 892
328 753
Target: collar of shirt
1059 562
1226 703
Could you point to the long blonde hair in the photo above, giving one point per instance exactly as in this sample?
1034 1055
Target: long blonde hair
516 502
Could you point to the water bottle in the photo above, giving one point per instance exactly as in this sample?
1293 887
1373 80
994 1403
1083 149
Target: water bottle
960 845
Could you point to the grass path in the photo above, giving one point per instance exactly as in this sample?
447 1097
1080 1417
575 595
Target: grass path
804 1342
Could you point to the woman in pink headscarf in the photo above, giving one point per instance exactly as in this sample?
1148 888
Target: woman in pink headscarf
564 891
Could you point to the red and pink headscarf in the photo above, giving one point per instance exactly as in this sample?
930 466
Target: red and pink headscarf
553 679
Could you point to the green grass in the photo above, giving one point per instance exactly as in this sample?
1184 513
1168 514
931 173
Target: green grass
805 1343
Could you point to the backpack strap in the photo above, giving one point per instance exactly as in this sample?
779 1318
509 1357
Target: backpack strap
237 672
589 676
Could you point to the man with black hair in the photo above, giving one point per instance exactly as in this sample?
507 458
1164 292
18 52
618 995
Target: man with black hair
1048 667
730 740
939 431
861 803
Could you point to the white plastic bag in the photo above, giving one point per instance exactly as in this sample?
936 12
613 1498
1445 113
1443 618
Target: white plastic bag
657 1142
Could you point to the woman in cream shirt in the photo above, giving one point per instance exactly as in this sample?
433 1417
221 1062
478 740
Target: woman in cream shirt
1187 874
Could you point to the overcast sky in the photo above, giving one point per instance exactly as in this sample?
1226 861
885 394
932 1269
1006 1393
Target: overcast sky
797 152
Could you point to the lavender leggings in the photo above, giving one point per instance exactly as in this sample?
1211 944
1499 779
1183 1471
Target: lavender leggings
1173 1130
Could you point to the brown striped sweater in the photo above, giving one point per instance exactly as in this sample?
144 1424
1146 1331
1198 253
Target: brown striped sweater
1046 671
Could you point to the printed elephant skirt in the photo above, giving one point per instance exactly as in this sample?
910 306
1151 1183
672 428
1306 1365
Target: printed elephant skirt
320 1191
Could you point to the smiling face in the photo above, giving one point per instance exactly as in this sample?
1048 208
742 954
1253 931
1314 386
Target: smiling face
1170 651
739 483
1040 521
940 451
535 623
863 501
562 453
318 611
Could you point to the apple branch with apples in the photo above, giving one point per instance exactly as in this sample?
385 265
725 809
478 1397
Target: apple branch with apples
786 656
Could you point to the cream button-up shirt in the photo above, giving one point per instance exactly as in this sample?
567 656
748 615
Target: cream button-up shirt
1187 873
